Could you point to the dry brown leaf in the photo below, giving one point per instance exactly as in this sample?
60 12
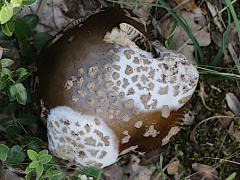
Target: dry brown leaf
153 156
234 132
142 11
6 174
214 14
112 172
175 168
204 171
181 41
189 6
136 171
233 103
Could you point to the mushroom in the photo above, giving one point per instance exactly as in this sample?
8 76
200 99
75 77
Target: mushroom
111 88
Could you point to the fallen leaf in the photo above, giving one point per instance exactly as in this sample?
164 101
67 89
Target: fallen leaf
233 103
175 168
181 41
204 171
153 156
112 172
234 132
6 174
189 6
135 171
142 11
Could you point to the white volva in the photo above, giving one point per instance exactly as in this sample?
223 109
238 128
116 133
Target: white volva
82 139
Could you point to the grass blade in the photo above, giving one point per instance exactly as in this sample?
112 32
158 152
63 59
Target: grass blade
226 36
234 16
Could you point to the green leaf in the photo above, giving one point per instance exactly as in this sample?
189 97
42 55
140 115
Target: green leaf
8 28
33 155
12 93
27 120
6 62
45 158
31 20
43 152
16 3
3 82
39 170
22 74
26 49
21 94
28 2
22 30
32 142
28 169
6 13
15 156
95 172
40 40
34 164
28 176
16 11
6 72
3 152
54 174
12 132
232 176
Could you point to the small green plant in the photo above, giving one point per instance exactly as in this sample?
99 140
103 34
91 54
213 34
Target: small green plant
178 151
3 152
13 156
38 161
9 12
11 81
90 173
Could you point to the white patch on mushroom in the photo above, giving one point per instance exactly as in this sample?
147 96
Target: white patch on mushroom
82 144
126 137
125 151
168 80
172 83
173 131
151 132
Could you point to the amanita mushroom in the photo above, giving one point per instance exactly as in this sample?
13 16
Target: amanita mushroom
110 89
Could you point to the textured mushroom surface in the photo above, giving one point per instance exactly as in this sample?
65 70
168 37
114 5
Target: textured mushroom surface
107 69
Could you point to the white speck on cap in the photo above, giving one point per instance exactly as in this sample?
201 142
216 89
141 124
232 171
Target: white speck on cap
79 139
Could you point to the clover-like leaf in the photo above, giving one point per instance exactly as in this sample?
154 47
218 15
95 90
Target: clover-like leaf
39 170
45 158
33 155
3 152
15 156
33 164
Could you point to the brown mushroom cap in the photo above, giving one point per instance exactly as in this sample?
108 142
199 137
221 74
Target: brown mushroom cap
82 71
